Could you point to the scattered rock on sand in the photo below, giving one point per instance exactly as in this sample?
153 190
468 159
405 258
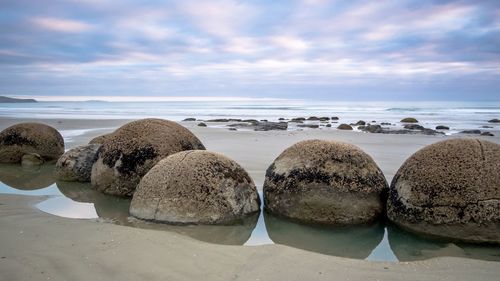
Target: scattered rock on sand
313 118
324 119
441 127
133 149
409 120
487 134
201 124
471 132
32 159
373 128
328 125
335 118
195 187
385 124
224 120
262 126
449 189
189 119
26 138
298 120
76 164
311 126
250 120
344 127
360 123
325 182
494 120
413 127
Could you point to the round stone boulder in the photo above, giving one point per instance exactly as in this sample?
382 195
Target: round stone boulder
344 127
195 187
99 139
76 164
325 182
127 154
27 138
449 189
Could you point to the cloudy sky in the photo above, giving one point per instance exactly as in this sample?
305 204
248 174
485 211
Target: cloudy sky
321 49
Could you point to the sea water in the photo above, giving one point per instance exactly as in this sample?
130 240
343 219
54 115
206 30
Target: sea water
456 115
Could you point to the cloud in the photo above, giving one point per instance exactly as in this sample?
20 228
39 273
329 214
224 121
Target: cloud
253 43
223 18
61 25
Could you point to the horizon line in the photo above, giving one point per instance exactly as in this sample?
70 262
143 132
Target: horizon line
145 98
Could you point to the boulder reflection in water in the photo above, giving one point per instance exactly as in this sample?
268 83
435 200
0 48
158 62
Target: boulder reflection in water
350 242
27 178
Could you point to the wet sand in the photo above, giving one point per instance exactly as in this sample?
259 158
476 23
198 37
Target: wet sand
38 246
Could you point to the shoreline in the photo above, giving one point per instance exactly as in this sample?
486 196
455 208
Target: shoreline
85 249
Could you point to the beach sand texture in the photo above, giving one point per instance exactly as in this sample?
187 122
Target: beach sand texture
39 246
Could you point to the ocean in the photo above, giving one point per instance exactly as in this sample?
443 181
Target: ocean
456 115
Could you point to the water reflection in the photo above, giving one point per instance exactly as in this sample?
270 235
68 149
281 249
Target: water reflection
117 210
114 209
351 242
234 234
27 178
79 200
410 247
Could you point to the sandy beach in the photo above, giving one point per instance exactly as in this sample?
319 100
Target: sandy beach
40 246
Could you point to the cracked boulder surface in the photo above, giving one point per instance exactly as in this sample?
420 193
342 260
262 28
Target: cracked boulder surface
28 138
76 164
127 154
325 182
450 189
195 187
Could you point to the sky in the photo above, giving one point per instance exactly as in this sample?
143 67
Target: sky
307 49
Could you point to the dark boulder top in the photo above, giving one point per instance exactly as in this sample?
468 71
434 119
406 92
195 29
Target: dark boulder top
127 154
344 127
441 127
409 120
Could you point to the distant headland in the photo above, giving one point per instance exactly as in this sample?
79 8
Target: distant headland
4 99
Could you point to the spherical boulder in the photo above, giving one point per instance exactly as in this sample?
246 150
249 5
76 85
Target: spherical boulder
99 139
344 127
127 154
409 120
325 182
26 138
76 164
197 187
449 189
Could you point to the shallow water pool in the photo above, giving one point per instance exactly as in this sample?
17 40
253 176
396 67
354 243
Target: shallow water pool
378 242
